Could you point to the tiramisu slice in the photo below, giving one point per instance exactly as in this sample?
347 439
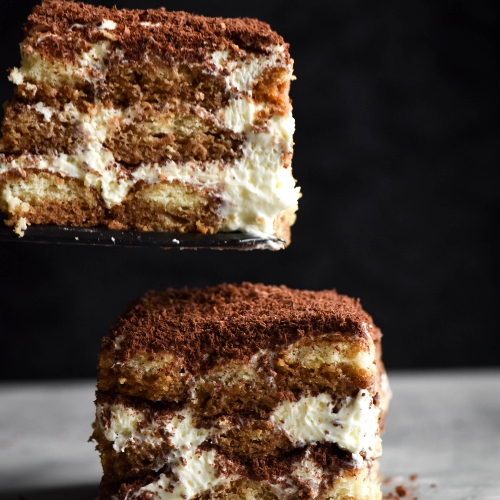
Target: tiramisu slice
241 392
149 120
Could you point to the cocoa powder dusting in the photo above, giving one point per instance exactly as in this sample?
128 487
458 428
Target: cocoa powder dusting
208 326
170 35
401 490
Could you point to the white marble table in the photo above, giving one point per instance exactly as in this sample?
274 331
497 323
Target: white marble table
443 426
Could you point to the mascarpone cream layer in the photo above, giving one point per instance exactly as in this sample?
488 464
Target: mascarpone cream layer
353 425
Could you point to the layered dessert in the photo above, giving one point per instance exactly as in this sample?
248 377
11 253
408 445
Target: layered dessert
149 120
241 392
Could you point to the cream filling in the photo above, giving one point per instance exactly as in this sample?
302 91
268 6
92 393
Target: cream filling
354 427
124 428
194 470
107 24
245 71
312 419
195 473
359 483
46 111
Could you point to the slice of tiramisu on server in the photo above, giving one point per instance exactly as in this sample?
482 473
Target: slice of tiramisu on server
241 392
149 120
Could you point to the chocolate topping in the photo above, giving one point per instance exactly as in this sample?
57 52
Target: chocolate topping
166 34
208 326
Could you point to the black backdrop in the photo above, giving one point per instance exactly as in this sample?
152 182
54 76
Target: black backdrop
396 106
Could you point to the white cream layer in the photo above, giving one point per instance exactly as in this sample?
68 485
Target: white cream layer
357 483
125 429
199 474
243 72
312 419
194 471
354 427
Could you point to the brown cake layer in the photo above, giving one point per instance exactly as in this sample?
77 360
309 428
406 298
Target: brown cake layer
129 141
257 387
128 83
49 198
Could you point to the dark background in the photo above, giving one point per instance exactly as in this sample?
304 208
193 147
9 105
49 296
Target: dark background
397 108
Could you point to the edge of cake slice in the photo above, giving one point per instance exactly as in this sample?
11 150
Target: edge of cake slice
149 120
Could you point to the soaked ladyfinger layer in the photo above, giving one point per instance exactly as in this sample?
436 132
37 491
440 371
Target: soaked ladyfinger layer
324 362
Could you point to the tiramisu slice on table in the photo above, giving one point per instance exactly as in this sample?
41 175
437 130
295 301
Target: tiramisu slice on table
241 392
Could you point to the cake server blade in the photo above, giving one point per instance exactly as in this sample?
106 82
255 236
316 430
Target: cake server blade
99 236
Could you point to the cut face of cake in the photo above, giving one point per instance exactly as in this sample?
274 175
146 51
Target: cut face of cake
149 120
241 392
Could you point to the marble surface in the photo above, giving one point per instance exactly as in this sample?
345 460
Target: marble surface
443 427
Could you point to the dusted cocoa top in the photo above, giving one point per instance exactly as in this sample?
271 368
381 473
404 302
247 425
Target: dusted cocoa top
170 35
207 326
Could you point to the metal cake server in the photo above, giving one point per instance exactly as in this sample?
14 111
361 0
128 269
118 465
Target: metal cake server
111 237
